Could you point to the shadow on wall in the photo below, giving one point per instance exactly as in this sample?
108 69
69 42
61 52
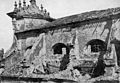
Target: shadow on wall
117 48
61 48
98 46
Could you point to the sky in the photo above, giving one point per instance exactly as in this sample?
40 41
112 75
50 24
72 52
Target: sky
57 9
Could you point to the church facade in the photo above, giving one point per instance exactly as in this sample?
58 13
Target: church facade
83 47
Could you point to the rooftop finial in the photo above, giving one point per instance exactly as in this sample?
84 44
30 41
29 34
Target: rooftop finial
33 2
45 11
19 3
48 14
15 5
41 7
24 3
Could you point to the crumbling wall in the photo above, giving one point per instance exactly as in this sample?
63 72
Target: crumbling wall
23 43
38 48
80 36
96 30
116 38
25 40
64 36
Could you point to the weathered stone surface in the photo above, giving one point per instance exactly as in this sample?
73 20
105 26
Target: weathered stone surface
30 41
65 50
26 24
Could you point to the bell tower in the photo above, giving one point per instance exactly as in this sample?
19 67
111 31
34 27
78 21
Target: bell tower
26 17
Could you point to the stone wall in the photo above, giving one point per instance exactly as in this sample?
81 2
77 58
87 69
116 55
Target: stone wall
78 36
25 40
37 48
28 23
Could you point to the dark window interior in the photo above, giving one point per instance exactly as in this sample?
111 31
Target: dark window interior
57 48
97 45
29 47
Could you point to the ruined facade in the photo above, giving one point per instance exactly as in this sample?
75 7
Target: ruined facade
83 47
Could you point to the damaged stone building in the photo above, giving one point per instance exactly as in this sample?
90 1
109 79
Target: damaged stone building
83 47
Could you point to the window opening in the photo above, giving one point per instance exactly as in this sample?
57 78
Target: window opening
60 48
97 45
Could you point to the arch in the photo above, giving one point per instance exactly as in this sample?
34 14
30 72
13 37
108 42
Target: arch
57 48
97 45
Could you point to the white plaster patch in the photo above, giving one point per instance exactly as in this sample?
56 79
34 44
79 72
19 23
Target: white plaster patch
105 33
117 31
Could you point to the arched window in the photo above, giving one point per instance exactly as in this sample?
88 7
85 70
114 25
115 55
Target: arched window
97 45
62 49
59 48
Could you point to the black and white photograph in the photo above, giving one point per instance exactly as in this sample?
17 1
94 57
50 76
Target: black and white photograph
59 41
